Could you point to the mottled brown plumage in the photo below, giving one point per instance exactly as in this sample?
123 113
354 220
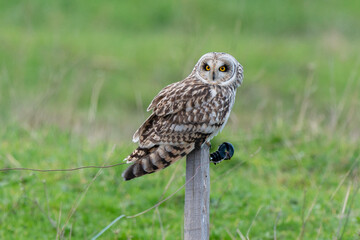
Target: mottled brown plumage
186 114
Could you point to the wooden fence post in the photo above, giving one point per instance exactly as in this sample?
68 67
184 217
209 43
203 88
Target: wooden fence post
197 195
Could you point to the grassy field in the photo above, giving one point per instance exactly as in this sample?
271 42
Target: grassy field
75 81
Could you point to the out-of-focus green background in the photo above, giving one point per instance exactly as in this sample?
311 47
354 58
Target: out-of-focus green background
76 78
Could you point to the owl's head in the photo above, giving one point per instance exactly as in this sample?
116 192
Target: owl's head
219 69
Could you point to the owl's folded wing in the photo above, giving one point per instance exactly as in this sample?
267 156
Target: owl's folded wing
178 96
171 129
182 114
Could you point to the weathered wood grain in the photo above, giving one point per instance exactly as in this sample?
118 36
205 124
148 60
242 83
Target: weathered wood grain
197 195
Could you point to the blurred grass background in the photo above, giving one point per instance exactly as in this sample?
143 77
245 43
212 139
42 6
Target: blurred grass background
76 78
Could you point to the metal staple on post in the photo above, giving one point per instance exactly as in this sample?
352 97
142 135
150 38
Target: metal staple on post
197 195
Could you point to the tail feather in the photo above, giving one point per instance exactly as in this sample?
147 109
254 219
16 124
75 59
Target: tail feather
146 161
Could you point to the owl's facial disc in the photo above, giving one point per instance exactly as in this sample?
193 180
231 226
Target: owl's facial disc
216 69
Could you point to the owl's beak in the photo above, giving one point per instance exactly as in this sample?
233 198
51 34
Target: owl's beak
213 76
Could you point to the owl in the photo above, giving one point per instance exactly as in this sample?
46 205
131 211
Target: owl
186 114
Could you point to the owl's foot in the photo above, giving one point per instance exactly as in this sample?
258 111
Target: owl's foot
225 152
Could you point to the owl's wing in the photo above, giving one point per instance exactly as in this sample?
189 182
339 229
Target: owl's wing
176 96
183 112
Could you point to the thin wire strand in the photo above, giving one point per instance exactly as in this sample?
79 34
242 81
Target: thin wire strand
165 199
82 194
147 210
58 170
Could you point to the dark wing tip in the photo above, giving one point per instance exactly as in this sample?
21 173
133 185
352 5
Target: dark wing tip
134 171
128 174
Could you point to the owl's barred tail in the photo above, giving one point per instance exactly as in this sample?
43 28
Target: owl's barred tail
146 161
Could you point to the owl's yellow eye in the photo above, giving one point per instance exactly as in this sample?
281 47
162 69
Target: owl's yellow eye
207 68
222 69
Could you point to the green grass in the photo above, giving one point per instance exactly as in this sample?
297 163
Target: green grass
76 78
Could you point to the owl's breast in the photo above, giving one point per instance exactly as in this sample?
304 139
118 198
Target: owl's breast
222 105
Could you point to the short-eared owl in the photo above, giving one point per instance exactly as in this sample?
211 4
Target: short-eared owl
186 114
